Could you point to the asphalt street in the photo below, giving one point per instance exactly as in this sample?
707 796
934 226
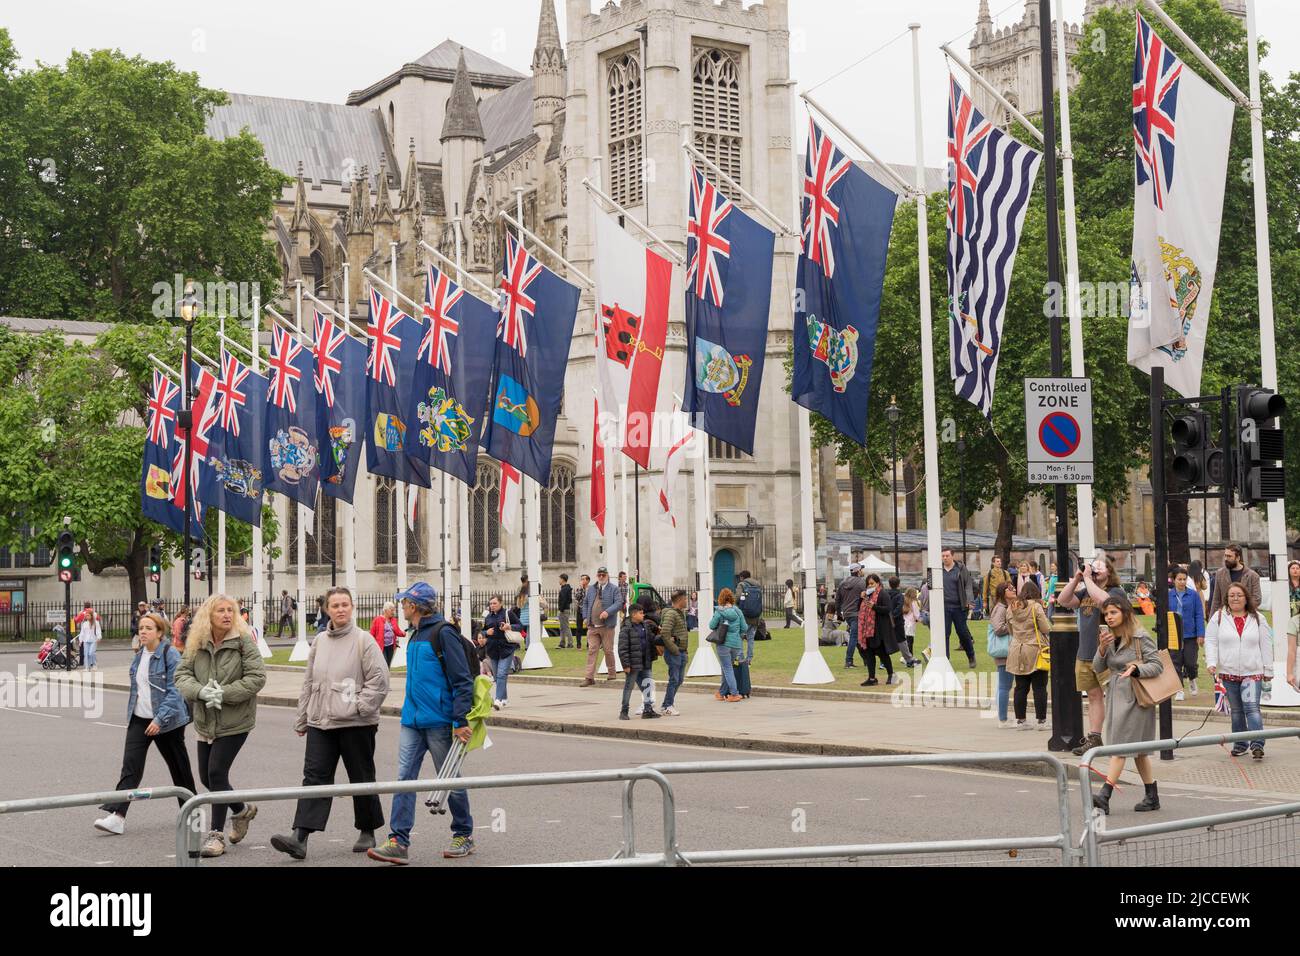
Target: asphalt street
62 750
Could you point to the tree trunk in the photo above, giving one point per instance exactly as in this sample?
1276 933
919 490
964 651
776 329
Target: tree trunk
136 571
1006 514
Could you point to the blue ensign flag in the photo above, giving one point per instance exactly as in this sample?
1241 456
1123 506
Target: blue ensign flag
160 436
340 406
292 455
847 216
728 294
534 328
453 370
390 369
234 475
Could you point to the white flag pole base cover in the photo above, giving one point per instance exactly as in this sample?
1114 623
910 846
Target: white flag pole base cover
300 649
262 647
399 654
938 677
535 657
813 669
705 662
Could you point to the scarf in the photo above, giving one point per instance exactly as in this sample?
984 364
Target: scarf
867 617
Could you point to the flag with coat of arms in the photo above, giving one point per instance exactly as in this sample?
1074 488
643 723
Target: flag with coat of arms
233 478
340 379
847 217
160 435
292 453
1181 133
390 370
728 296
534 331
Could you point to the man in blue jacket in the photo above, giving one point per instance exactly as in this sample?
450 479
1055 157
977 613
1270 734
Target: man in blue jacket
439 695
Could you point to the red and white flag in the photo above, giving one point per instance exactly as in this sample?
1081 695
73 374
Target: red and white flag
508 508
633 285
597 471
680 446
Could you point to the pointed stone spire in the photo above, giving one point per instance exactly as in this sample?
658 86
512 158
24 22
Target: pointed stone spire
410 195
548 72
365 219
383 214
548 32
462 120
300 212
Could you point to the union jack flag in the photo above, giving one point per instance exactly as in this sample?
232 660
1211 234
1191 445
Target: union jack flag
1220 697
438 302
284 373
160 410
329 338
1155 102
229 398
521 271
704 244
967 130
825 166
385 316
203 414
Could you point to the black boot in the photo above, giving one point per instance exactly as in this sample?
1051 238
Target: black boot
622 715
294 844
1102 800
1151 801
365 840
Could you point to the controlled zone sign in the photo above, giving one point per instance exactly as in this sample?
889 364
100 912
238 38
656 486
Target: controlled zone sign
1058 430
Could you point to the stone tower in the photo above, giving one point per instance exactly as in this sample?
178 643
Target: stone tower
462 141
548 75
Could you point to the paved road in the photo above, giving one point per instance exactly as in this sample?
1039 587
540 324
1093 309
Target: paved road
60 751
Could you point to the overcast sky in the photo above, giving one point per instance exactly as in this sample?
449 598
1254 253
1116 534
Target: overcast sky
326 49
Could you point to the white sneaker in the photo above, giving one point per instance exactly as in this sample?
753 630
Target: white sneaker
496 705
1179 696
1003 724
1195 690
113 823
1042 725
1023 725
671 712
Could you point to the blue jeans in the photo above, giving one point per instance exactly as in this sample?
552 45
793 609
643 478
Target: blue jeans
88 653
501 671
676 674
1005 680
726 657
411 748
1243 699
637 678
853 638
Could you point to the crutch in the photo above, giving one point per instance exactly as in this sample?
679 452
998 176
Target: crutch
437 802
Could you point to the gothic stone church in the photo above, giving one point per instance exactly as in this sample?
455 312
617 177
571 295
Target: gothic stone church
454 134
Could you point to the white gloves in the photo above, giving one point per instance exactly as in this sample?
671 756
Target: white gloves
211 694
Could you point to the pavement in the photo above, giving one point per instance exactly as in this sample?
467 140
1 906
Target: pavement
832 723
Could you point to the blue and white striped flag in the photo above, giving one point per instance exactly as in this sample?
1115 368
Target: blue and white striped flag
990 176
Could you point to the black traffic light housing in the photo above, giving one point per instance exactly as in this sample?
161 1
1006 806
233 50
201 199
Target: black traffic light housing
1259 452
1198 464
155 562
66 559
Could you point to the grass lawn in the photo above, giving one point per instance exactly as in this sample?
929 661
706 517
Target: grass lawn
775 661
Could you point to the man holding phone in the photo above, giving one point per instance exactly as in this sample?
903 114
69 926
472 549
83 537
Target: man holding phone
1093 583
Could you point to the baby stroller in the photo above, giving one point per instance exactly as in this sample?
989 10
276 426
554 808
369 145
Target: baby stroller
54 653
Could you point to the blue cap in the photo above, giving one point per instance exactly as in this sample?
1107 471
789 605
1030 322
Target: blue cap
420 593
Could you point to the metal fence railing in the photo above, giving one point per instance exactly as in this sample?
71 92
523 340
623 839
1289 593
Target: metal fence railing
1201 841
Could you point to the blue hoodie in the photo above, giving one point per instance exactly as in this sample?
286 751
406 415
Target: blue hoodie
435 698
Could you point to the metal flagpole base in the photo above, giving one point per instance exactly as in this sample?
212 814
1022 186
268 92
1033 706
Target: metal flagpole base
300 649
705 662
813 669
399 655
535 657
938 678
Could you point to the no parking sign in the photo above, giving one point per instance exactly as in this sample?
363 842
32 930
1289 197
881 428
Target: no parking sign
1058 430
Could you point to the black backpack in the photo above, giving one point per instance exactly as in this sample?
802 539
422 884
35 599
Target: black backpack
469 647
751 600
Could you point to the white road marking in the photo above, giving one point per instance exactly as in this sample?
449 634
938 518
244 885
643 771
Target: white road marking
918 796
862 799
740 808
103 863
104 723
970 794
34 713
553 821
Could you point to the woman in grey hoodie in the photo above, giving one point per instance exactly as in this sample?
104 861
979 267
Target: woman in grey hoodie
338 712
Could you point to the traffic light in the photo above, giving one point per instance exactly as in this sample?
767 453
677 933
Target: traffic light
1260 475
67 559
1197 463
155 563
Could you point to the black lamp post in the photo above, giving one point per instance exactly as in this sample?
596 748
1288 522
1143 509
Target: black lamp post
892 415
961 494
189 312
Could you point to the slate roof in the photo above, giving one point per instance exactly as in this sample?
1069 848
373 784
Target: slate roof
62 326
440 64
508 116
332 141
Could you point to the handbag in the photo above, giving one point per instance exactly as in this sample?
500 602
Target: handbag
1149 691
998 645
718 635
514 637
1044 662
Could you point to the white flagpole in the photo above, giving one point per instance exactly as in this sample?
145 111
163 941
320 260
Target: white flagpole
445 558
221 515
258 610
462 495
349 511
400 485
1277 548
939 674
1087 530
300 646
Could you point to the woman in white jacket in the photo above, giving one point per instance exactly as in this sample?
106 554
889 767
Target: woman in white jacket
88 635
1239 651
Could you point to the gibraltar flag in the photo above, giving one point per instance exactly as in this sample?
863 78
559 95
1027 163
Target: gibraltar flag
597 471
632 288
508 507
1181 130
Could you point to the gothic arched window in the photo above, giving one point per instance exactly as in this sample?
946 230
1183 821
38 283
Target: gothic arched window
559 517
624 90
716 109
484 525
390 514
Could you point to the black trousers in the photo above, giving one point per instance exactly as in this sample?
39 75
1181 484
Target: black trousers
172 747
1187 659
356 745
1038 680
388 653
883 655
214 772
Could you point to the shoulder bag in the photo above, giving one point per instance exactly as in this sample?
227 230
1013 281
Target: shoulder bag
1149 691
1044 662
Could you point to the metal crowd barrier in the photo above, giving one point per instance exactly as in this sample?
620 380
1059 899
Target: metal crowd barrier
188 830
93 799
1093 837
1059 841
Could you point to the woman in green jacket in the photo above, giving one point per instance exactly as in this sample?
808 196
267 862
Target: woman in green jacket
220 674
729 651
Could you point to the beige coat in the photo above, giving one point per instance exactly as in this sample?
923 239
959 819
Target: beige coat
345 683
1025 643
